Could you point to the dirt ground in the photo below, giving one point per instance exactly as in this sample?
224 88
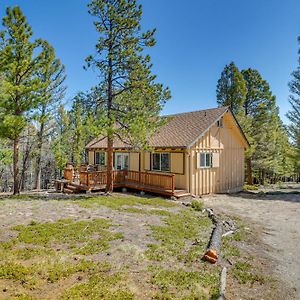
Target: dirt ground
271 242
276 215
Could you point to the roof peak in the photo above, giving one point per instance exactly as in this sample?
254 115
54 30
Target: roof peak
198 110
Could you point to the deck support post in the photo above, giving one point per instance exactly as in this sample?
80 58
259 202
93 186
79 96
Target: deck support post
87 180
173 184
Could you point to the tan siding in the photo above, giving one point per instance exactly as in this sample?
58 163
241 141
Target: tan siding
91 158
177 163
226 143
134 161
146 165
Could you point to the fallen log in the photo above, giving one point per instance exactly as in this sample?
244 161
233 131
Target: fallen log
222 284
213 250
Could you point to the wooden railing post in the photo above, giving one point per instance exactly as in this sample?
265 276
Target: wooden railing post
87 180
173 184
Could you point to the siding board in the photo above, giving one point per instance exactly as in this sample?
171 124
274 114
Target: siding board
228 158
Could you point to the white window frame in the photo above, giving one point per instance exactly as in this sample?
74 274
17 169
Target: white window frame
160 155
122 155
205 154
100 153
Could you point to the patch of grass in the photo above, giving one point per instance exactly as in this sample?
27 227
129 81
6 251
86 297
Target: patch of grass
229 249
22 197
13 270
27 253
100 286
242 271
58 270
176 237
117 202
135 210
197 205
182 284
85 237
51 271
22 297
98 245
8 245
251 187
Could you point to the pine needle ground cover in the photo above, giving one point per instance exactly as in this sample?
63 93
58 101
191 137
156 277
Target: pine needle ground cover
99 247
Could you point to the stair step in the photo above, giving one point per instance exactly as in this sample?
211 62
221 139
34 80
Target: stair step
71 187
68 191
182 194
79 187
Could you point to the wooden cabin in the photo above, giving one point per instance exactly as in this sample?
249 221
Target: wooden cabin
199 152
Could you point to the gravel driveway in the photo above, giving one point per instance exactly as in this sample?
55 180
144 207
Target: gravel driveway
278 213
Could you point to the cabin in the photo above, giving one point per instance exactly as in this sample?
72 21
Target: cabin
199 152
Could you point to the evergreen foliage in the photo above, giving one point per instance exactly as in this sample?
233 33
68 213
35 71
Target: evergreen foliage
52 76
294 115
231 88
21 61
254 105
131 99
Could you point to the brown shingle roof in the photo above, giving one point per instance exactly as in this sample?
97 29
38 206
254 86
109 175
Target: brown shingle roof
181 130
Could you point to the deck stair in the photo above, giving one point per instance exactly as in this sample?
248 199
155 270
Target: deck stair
181 193
73 188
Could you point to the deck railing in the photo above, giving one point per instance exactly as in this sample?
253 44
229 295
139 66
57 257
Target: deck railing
159 181
98 178
134 179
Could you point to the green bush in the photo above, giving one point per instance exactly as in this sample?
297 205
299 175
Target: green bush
250 187
197 205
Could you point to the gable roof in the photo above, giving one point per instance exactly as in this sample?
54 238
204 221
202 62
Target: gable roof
180 131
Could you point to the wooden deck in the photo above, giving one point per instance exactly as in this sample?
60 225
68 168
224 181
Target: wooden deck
163 184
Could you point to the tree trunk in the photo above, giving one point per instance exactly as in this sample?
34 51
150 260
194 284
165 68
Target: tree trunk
262 180
110 137
109 184
249 171
37 184
16 166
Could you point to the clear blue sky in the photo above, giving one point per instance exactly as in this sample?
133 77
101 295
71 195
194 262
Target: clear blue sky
195 39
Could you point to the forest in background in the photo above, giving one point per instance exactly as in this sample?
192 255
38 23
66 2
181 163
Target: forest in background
39 136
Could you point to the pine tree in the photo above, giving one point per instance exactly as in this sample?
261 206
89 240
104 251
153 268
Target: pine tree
258 101
294 114
231 88
78 133
124 72
61 138
52 75
20 60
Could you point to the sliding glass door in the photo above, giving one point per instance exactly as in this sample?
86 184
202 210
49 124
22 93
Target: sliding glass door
121 161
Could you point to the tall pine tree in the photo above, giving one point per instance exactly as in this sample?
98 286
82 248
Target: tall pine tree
254 105
20 60
294 115
231 88
52 76
258 101
126 82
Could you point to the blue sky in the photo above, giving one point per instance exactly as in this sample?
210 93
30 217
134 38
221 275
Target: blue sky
195 39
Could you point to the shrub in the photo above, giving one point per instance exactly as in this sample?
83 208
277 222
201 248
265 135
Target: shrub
197 205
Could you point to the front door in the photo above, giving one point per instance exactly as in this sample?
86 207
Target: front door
121 161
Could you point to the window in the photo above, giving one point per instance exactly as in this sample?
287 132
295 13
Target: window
121 161
100 159
161 162
204 160
220 123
